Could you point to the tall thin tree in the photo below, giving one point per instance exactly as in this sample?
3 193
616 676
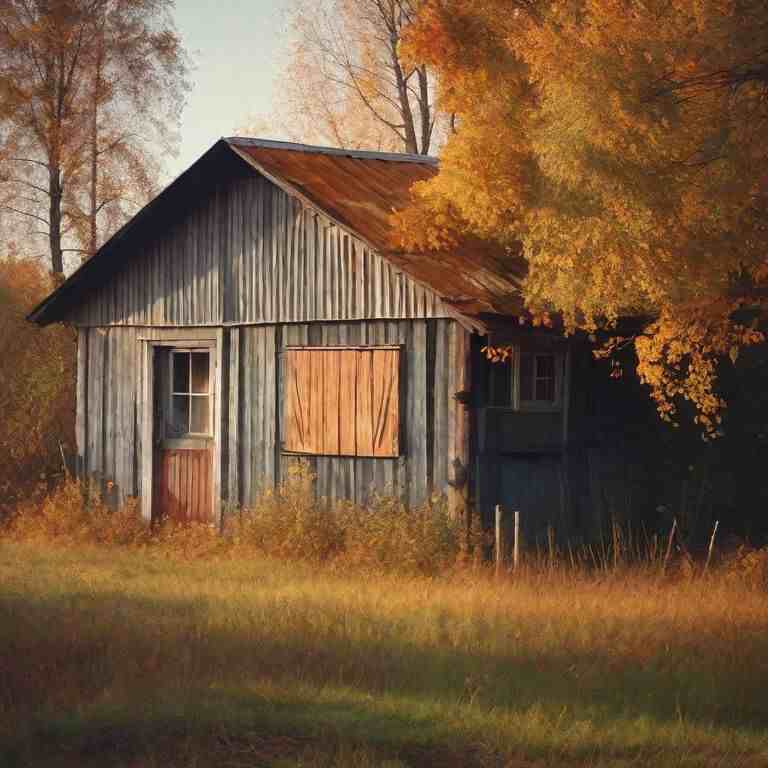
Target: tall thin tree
64 65
346 82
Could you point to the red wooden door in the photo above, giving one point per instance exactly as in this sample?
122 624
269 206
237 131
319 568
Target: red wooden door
183 459
183 485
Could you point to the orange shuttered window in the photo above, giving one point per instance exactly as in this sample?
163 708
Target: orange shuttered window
342 402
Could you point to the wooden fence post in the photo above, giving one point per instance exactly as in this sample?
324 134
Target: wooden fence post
711 545
670 541
499 548
516 544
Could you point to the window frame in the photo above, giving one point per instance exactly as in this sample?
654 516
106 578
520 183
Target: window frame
283 404
189 435
541 406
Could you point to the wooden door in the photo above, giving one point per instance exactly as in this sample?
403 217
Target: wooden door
183 434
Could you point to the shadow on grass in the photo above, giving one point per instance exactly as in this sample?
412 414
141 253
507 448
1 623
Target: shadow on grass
158 677
238 728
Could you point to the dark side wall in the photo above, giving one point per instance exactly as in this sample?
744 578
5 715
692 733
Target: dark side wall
611 458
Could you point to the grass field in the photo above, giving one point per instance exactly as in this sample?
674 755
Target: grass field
132 658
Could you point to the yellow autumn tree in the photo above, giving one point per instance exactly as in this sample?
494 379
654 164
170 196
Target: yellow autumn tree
622 144
37 398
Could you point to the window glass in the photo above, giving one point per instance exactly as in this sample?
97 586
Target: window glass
179 416
545 366
537 378
526 376
200 415
190 407
181 371
545 390
200 368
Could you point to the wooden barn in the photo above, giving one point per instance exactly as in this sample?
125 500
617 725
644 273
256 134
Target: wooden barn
257 311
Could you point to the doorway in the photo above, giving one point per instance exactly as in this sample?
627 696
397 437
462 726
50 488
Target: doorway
183 434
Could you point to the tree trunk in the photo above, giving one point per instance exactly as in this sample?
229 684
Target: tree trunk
54 219
411 144
93 230
425 111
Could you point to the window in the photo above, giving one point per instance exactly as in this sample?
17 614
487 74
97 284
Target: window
190 411
342 402
528 380
537 378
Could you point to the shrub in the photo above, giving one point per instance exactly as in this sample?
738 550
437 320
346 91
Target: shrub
384 535
288 522
36 384
76 514
747 567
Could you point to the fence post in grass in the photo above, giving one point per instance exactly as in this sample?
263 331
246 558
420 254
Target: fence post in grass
711 545
516 542
668 553
499 551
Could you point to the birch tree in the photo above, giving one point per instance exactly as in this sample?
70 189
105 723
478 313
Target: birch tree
346 82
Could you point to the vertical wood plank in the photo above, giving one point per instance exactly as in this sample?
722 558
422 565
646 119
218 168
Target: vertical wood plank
459 456
316 401
234 427
417 407
440 374
364 426
270 345
81 413
334 407
217 355
385 400
146 431
347 402
251 434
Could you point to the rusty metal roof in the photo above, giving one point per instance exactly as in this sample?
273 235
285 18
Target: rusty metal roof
359 190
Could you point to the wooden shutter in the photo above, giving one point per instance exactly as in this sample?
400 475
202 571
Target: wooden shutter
342 402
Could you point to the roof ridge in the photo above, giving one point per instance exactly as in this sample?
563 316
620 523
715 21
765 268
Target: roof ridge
359 154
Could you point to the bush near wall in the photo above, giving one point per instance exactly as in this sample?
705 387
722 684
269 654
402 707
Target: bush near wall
288 523
36 384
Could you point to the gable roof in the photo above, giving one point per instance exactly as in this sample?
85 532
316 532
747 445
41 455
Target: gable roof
359 190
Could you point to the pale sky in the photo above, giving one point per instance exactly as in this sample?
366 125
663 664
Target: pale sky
236 47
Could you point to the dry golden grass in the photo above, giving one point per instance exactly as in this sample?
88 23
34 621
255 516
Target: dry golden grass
287 522
184 649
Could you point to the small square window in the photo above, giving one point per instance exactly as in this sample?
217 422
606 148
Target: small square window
538 379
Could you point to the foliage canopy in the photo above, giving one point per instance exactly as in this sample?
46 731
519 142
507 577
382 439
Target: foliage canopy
622 143
36 382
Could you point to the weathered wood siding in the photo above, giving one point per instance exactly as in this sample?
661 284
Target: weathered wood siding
108 418
247 252
256 460
109 413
